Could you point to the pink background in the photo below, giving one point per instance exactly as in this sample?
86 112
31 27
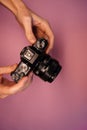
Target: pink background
61 105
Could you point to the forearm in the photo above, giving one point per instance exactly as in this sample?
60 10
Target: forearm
14 5
28 19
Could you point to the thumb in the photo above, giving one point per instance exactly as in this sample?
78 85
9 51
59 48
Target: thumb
28 30
7 69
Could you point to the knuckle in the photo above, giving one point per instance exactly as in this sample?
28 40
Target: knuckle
46 22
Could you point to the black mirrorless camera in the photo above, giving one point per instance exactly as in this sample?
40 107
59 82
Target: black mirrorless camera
34 58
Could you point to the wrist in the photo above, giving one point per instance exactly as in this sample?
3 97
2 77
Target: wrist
19 6
16 6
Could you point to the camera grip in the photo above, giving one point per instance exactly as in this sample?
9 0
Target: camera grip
21 71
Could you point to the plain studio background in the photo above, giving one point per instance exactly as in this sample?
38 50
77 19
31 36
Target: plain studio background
61 105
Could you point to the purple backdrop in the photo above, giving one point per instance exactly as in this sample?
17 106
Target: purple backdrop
61 105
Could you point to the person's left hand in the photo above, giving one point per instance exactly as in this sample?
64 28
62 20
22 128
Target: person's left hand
7 87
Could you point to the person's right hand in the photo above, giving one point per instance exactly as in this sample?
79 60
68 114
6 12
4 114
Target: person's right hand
29 20
7 87
35 26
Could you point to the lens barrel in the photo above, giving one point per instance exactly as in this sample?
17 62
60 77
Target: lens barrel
48 68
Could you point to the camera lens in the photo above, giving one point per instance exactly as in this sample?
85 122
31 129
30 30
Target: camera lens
48 68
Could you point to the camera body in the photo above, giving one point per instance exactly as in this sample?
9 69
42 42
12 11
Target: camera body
33 58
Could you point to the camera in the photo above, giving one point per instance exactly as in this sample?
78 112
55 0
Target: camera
34 58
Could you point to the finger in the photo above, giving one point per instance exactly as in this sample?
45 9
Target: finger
48 31
50 34
39 33
8 90
3 96
28 30
7 69
30 79
51 41
21 85
0 78
18 87
7 82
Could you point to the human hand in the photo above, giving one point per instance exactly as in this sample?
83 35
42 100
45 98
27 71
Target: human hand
29 20
35 26
7 87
